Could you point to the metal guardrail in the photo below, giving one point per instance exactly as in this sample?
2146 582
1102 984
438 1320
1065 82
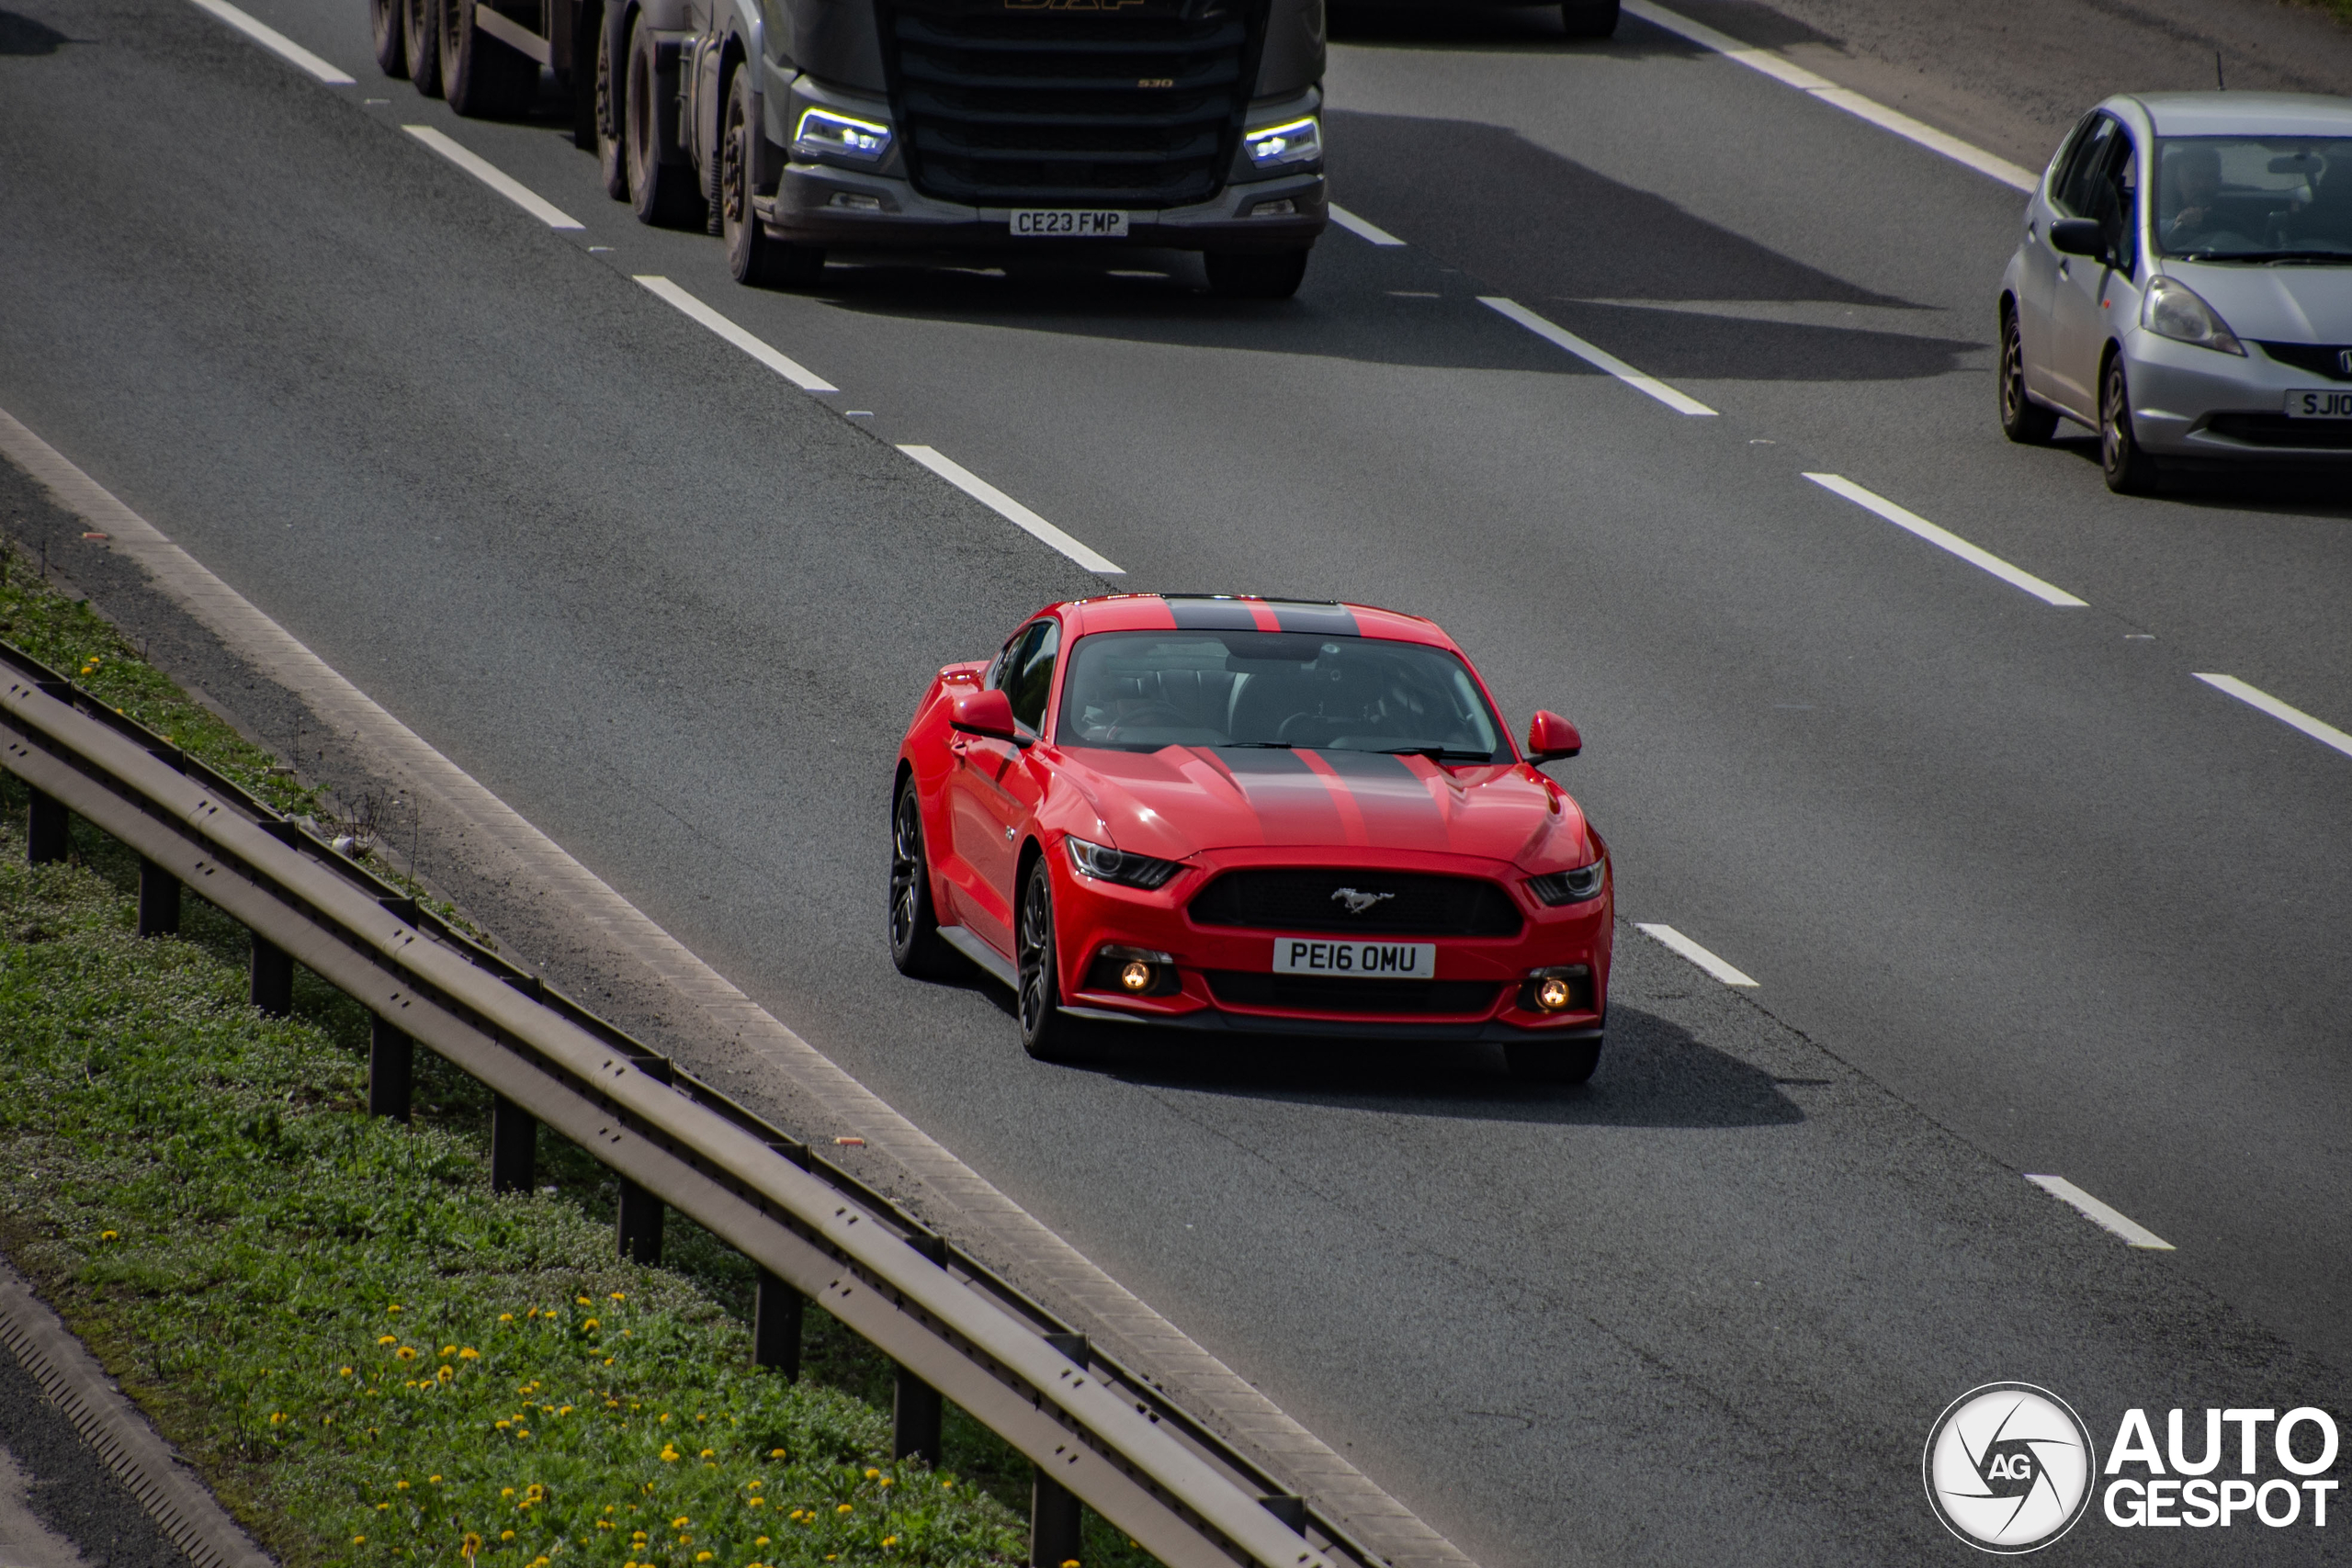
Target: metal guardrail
1095 1430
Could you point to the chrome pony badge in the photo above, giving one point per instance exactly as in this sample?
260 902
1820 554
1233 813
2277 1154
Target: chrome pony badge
1357 903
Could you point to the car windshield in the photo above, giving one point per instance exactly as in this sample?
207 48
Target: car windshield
1141 691
2255 198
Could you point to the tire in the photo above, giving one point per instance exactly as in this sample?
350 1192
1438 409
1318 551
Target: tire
916 948
752 256
611 108
1046 1034
1542 1061
1255 274
421 31
387 30
2023 421
1589 18
481 77
2129 469
580 81
663 194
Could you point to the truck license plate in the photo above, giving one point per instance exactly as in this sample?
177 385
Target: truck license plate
2334 405
1362 960
1067 224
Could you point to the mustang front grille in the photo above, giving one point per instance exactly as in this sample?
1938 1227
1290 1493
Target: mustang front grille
1357 903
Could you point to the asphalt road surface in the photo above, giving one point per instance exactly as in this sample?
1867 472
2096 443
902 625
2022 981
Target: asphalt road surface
2023 896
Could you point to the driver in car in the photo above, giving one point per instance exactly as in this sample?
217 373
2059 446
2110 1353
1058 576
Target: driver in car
2196 221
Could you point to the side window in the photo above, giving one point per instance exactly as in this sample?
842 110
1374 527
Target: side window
2084 178
1008 659
1031 680
2070 154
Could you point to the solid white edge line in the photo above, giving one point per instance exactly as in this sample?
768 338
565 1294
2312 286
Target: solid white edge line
783 365
1667 937
1912 523
2102 1215
492 176
1601 359
1359 226
269 38
1787 72
2294 717
980 489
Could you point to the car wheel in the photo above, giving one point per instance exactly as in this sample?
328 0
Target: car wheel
1544 1061
610 107
481 77
915 944
665 194
1046 1034
2022 419
753 257
387 30
2130 470
420 30
1255 274
1589 18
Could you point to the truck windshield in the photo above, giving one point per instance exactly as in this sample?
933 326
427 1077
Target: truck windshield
1141 691
2255 198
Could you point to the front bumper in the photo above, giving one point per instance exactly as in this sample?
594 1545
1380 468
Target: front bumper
2195 403
807 210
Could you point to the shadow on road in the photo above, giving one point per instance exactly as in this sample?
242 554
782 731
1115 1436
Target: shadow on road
22 35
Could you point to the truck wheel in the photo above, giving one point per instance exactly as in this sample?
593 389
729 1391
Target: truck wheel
480 76
665 193
420 30
1589 18
610 107
1255 274
752 256
387 30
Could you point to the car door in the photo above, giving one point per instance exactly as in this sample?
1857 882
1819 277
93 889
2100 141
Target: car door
2106 188
2038 275
992 787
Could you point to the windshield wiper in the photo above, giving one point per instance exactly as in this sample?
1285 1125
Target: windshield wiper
2265 257
2343 256
1438 753
1255 745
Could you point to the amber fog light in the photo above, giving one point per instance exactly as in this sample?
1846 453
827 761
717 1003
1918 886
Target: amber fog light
1551 996
1136 975
1560 988
1134 971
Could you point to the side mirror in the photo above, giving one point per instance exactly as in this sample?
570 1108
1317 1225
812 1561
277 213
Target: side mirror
1550 738
985 712
2079 237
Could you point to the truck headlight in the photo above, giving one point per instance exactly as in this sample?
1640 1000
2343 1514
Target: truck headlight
1277 146
2172 310
823 133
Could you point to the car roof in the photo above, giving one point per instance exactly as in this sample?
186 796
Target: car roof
2246 114
1246 612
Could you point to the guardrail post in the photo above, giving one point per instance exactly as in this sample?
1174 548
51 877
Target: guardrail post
915 1412
638 1225
391 1072
273 979
158 900
1054 1527
45 834
514 1145
775 1326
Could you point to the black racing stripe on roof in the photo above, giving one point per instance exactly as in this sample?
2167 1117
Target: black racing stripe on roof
1271 761
1365 764
1323 620
1202 614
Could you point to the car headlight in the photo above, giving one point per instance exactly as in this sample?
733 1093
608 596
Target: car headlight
823 133
1107 864
1570 887
2172 310
1293 141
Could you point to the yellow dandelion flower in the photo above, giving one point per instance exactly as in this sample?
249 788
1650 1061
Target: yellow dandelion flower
406 1352
605 1524
505 1317
758 1540
889 1540
680 1523
448 1350
871 1474
947 1487
758 1502
470 1354
502 1426
887 1481
447 1375
433 1479
590 1325
388 1339
707 1453
506 1492
1071 1564
400 1486
108 1235
584 1301
703 1556
394 1307
842 1509
343 1372
383 1508
754 1485
775 1453
507 1535
358 1541
618 1297
275 1416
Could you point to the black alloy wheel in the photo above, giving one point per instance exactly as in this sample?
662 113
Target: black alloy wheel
752 256
1544 1061
481 77
611 106
665 194
1255 274
388 31
420 27
1589 18
2129 468
2023 421
1046 1034
916 947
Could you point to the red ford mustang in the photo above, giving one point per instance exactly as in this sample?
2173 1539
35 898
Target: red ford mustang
1251 814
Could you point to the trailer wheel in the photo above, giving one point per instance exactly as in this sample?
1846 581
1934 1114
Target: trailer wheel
610 110
753 257
481 77
387 30
1255 274
420 30
665 194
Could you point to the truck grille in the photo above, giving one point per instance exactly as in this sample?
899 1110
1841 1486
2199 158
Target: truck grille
1305 899
1327 993
1008 104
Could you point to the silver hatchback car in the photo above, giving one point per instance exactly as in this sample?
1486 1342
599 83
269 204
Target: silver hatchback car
2184 285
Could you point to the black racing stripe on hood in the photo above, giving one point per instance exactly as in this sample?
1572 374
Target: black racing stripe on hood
1206 614
1322 620
1261 762
1367 764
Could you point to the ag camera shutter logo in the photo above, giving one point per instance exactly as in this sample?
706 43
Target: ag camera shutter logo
2009 1468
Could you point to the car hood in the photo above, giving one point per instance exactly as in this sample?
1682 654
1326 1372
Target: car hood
2289 303
1179 800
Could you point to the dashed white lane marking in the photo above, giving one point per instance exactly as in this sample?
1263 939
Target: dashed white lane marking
2100 1214
277 43
1360 228
2254 696
980 489
783 365
493 176
1783 70
1667 936
1598 358
1911 522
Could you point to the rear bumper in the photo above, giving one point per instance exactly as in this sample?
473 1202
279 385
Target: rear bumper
806 211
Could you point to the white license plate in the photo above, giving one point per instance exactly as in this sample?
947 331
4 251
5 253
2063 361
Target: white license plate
2334 405
1067 224
1362 960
